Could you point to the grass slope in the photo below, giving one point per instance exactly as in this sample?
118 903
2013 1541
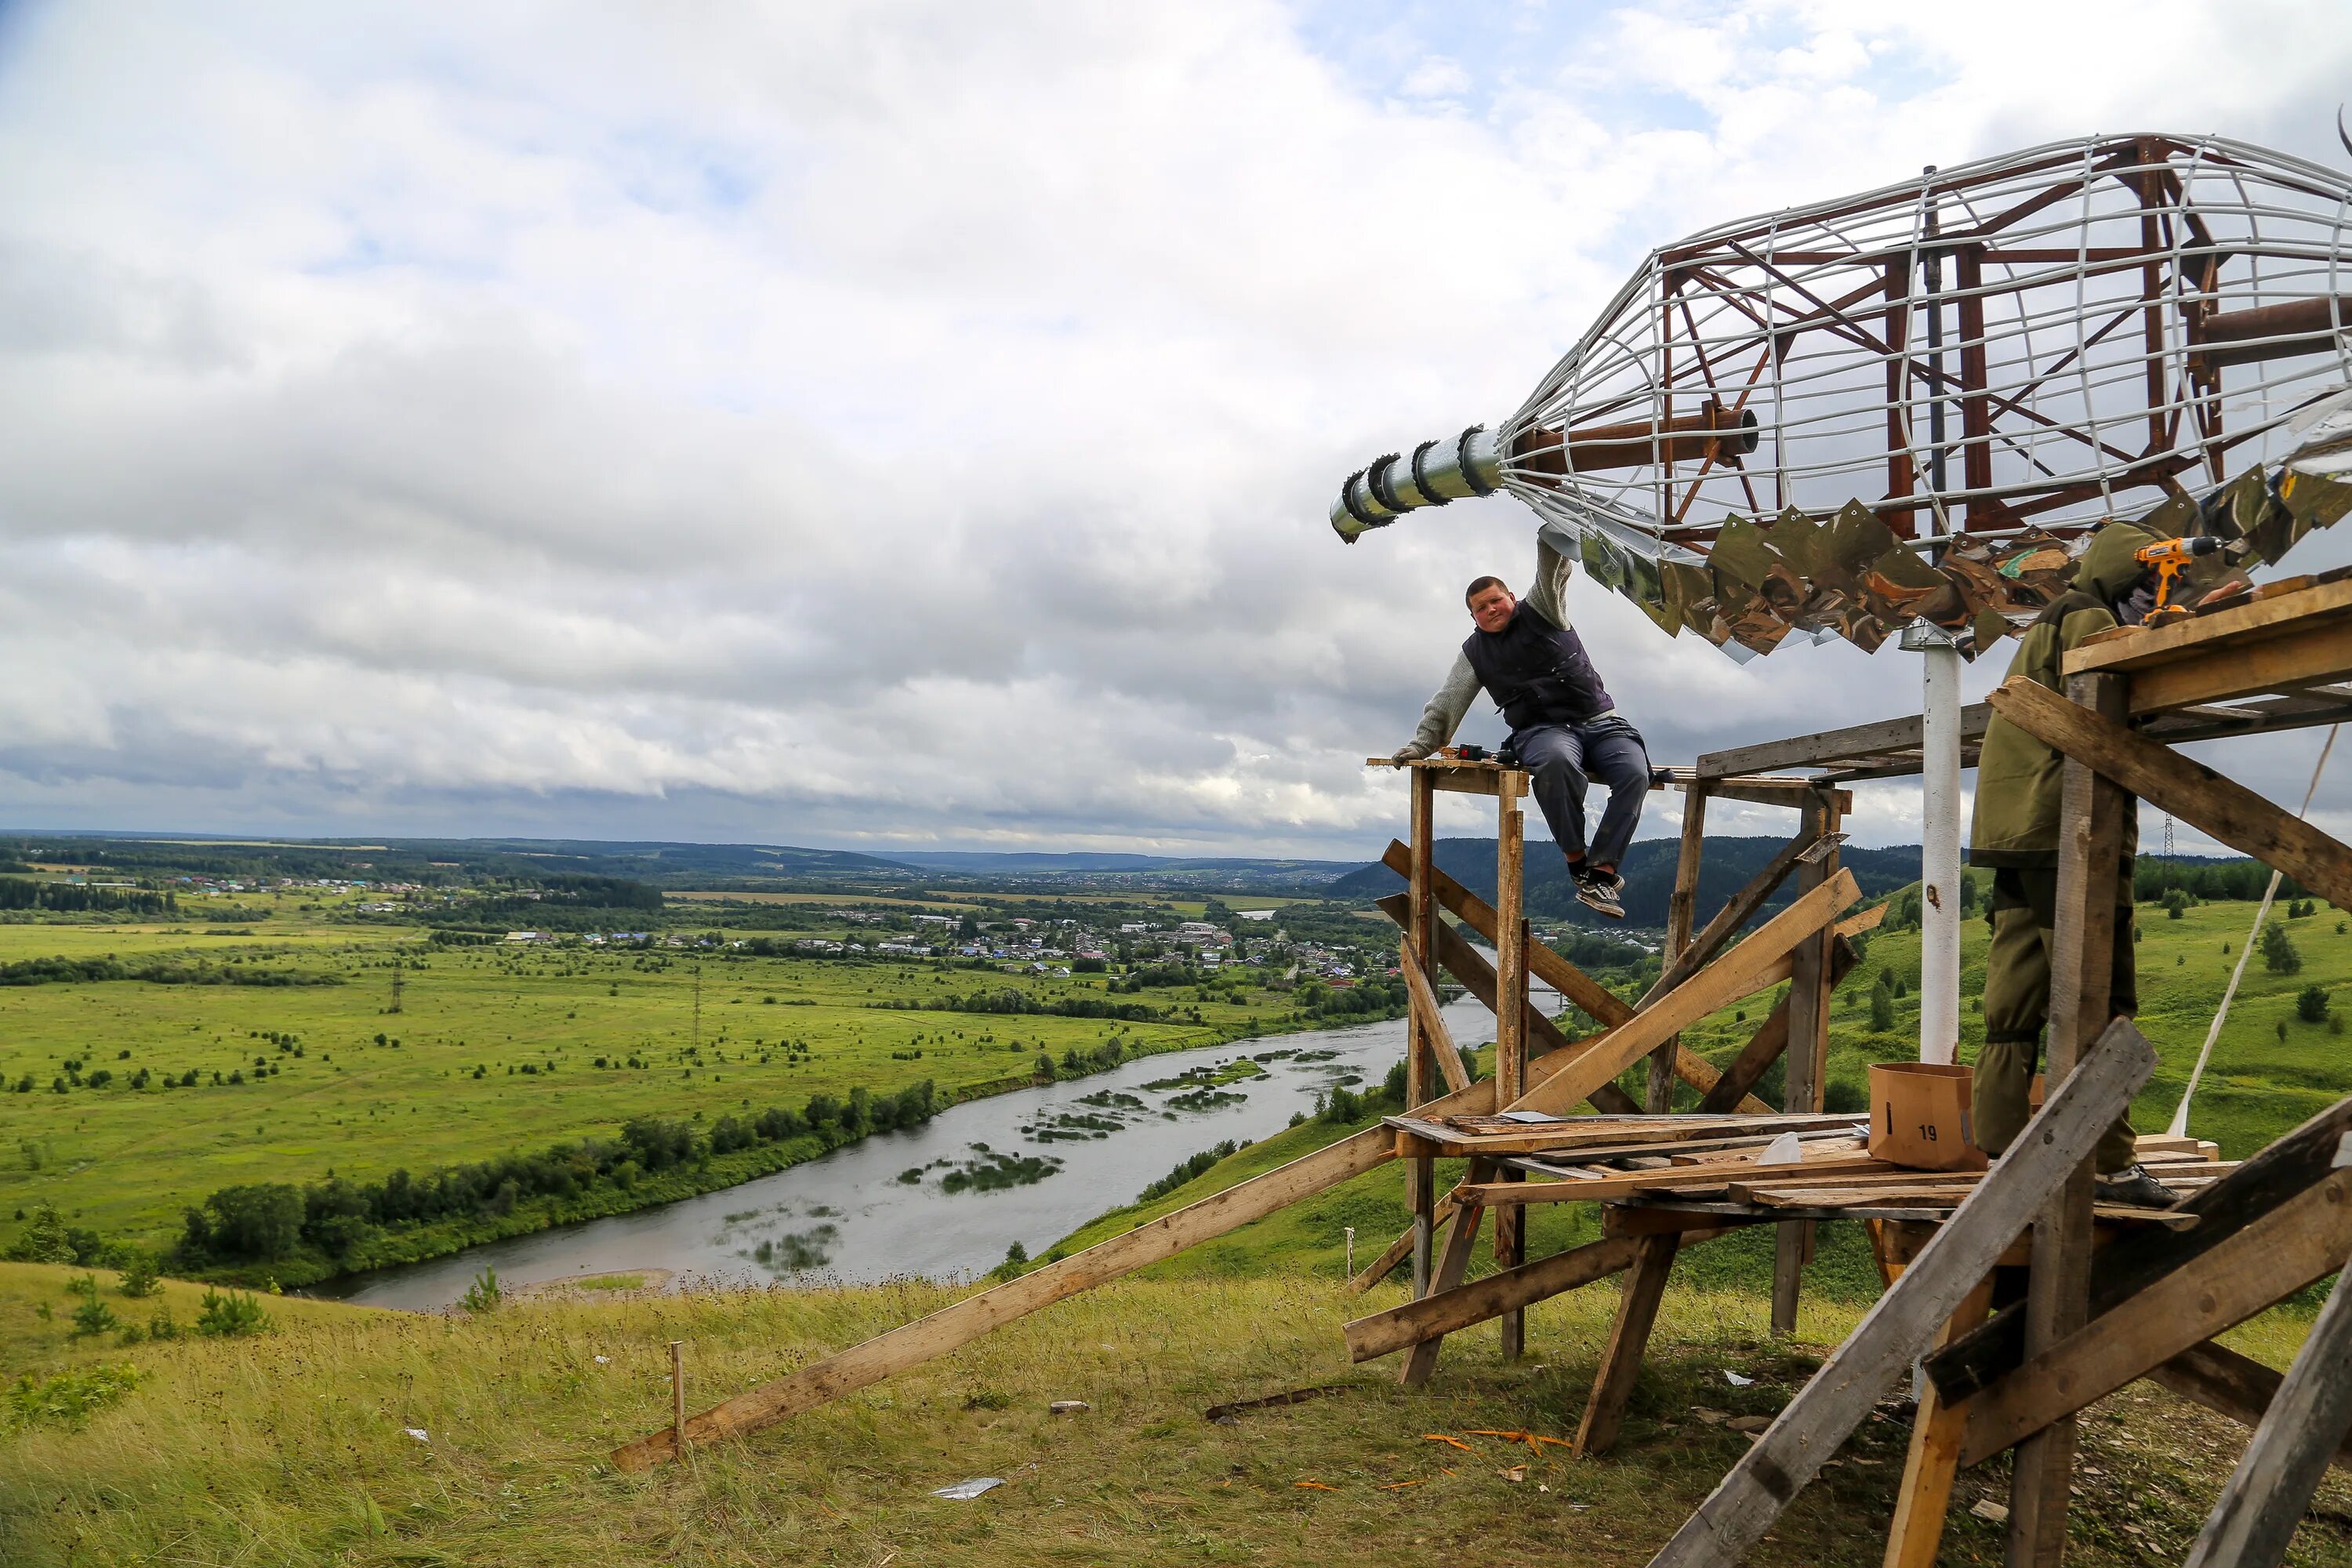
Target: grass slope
293 1448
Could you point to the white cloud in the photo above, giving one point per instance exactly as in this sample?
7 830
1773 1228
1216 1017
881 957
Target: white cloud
879 423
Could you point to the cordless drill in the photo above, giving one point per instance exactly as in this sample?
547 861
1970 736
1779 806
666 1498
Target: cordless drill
2170 557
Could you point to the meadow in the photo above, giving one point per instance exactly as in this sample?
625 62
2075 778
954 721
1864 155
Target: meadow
495 1048
350 1437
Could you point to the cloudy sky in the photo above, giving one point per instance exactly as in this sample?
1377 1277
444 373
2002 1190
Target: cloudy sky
892 424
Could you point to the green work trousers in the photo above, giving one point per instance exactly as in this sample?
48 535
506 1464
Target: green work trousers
2017 1005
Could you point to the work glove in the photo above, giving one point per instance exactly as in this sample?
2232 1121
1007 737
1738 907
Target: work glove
1410 752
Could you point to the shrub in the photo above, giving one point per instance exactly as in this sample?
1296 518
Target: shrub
45 1239
138 1275
1882 1009
484 1294
2176 902
2279 955
231 1315
161 1326
68 1398
94 1316
2311 1005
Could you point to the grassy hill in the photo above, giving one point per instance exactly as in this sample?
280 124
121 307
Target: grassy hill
295 1446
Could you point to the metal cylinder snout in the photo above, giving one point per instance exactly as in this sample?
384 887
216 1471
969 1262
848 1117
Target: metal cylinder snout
1432 474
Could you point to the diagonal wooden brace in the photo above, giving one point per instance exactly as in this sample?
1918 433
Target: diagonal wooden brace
1760 961
2190 791
1433 1023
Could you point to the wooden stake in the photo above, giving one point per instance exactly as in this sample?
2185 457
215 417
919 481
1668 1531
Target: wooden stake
1809 1026
1934 1460
1681 908
1461 1236
2272 1486
1813 1426
678 1392
1628 1336
2091 827
2230 1384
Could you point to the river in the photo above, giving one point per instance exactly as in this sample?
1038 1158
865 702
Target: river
1030 1165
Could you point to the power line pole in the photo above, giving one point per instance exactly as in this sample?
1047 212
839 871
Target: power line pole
697 1007
396 983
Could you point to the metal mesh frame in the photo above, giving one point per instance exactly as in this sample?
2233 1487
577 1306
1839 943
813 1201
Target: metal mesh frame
2075 368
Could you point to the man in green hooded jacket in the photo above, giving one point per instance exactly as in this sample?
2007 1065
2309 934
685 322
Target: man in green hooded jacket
2015 832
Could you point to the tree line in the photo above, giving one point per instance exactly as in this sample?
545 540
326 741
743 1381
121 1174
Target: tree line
68 897
340 1220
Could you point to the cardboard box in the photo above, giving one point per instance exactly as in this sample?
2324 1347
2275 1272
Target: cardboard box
1920 1117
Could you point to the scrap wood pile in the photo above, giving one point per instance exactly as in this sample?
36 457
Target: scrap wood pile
1819 1165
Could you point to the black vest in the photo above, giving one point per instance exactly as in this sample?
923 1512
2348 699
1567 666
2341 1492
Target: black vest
1537 672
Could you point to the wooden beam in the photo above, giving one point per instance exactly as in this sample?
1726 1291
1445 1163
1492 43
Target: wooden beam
2299 1242
1432 1019
1629 1338
1790 795
2227 811
1816 1423
1421 928
2274 1176
1681 920
1616 1188
1737 911
1809 1023
1933 1461
2091 835
1465 963
962 1322
1461 1240
1771 1037
2135 649
2230 1384
2272 1486
1511 945
2311 655
1759 961
1551 968
1513 1290
1834 746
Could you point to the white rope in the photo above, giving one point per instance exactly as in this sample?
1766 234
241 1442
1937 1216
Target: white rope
2179 1127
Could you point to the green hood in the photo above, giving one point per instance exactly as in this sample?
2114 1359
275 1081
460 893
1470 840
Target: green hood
2111 565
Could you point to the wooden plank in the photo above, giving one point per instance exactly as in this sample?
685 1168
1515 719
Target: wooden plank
1614 1189
2230 1384
1461 1240
2262 1184
1737 911
1933 1461
1462 961
2308 656
1511 945
1759 961
1548 967
2092 833
1809 1023
1824 1413
962 1322
2295 1244
1430 1017
1681 918
1792 795
2189 791
1771 1037
2142 649
1629 1338
1834 746
1459 783
1420 946
1514 1290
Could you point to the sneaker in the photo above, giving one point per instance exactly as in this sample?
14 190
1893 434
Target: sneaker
2133 1185
1597 892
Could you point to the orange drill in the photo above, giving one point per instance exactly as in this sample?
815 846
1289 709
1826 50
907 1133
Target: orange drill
2170 557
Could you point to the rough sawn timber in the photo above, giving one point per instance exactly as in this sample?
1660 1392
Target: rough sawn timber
966 1321
1816 1423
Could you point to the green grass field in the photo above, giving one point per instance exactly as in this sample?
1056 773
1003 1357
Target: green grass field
125 1163
294 1447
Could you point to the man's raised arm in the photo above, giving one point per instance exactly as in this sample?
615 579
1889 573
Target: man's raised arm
1547 596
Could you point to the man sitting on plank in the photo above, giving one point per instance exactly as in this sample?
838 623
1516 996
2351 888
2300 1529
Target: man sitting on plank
2015 832
1564 728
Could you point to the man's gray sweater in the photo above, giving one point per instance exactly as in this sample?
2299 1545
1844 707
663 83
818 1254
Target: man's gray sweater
1547 597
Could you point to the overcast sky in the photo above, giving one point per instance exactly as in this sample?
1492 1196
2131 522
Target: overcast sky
895 424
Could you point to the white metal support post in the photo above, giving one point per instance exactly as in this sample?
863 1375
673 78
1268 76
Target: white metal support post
1939 851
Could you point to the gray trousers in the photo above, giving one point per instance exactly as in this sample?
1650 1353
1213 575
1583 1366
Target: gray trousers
1560 758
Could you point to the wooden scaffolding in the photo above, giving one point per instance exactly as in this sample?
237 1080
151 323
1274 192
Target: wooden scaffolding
2109 1295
